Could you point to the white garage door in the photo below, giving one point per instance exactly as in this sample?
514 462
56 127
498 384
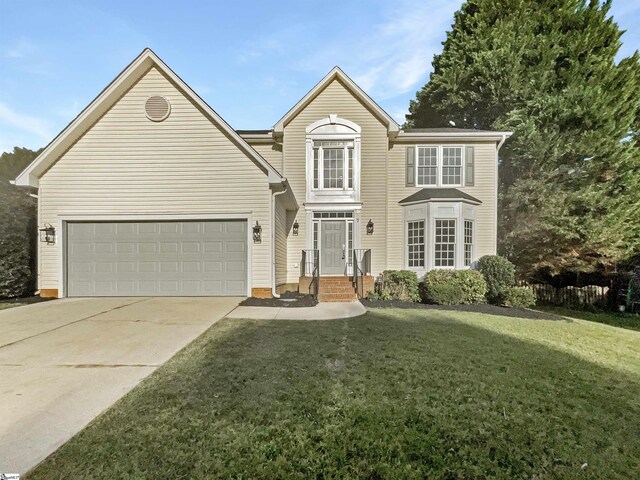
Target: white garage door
194 258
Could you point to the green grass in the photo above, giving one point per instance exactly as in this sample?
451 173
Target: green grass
392 394
18 302
622 320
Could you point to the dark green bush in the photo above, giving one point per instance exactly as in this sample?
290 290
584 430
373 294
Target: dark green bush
18 237
397 285
519 297
453 287
500 275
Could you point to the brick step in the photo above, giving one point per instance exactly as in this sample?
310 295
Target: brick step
337 297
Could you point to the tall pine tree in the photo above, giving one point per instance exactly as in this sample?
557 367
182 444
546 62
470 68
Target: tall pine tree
570 174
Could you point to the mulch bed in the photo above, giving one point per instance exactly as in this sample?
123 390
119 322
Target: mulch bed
479 308
286 300
26 300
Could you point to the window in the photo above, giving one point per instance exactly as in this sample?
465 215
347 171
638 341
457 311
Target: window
415 244
427 165
468 242
332 161
315 235
438 166
451 166
445 244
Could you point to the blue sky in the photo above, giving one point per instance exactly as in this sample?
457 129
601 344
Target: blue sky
251 61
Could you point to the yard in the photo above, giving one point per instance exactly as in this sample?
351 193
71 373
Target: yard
392 394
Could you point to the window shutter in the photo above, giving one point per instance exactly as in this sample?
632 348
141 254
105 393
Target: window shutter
411 167
469 174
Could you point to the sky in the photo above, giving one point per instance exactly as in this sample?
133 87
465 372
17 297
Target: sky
249 60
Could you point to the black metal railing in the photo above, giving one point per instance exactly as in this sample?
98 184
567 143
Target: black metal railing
361 267
310 267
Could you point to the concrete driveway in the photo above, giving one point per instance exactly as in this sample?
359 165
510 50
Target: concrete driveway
63 362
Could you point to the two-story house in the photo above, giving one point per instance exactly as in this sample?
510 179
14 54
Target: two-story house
148 191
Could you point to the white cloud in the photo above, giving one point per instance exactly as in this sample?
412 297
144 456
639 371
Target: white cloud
27 123
20 49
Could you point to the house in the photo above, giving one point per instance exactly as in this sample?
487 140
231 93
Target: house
148 191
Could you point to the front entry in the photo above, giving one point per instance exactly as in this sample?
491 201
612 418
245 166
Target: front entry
333 248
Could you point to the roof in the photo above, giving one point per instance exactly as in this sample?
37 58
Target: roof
439 194
337 73
253 132
127 78
445 130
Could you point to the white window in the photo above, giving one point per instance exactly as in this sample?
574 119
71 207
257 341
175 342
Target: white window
445 243
332 163
415 244
427 165
451 165
439 166
468 242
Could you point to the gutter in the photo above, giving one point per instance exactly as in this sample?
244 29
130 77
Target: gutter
273 239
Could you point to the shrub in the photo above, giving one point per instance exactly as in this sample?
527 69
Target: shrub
519 297
500 275
398 285
453 287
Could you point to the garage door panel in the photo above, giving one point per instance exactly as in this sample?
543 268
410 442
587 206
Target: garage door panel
157 258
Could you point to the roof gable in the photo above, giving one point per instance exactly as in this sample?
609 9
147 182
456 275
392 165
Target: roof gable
337 74
108 97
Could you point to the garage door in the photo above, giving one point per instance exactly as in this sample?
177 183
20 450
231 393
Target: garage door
195 258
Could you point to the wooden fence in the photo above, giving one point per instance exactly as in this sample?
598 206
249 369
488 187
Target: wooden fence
570 297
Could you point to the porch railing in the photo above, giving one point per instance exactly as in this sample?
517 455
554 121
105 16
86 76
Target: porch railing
310 267
361 267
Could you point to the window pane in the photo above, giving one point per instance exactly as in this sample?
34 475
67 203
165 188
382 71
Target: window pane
333 167
427 165
468 242
315 235
445 243
315 167
415 244
451 165
350 150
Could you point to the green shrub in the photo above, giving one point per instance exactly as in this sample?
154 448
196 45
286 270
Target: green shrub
519 297
500 275
18 230
453 287
398 285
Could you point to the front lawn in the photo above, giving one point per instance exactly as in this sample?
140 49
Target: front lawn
392 394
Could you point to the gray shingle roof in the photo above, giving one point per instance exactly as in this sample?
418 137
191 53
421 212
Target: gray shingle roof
445 130
447 194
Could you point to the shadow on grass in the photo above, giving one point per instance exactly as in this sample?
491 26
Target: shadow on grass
386 395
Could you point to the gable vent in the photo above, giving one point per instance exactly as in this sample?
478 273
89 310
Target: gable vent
157 108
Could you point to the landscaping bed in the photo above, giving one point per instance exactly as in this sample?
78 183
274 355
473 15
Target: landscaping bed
477 308
286 300
17 302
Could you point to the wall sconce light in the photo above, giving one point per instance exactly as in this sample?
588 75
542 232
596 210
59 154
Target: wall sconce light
48 234
370 227
296 226
257 233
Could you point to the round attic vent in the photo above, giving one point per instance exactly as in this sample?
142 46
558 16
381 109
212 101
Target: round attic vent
157 108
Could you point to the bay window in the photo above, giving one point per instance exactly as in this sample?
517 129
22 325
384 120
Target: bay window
415 244
468 242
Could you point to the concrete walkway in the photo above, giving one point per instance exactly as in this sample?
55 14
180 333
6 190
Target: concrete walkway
322 311
65 361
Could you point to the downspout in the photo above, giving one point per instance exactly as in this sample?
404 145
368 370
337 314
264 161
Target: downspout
273 241
504 139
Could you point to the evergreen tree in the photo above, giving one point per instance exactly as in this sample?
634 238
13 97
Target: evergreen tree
546 70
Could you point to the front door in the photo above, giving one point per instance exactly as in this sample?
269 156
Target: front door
332 255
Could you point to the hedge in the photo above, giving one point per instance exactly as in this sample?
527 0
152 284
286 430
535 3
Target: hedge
453 287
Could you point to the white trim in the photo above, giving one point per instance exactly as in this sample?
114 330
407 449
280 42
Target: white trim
333 120
85 120
64 218
336 73
457 136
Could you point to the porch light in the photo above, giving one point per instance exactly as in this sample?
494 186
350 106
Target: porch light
295 228
257 233
48 234
370 227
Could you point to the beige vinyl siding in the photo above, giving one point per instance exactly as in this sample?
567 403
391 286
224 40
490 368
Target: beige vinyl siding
337 99
281 242
127 164
271 152
485 189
